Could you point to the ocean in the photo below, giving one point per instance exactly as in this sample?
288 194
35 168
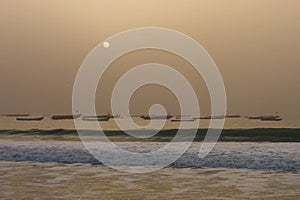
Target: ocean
252 160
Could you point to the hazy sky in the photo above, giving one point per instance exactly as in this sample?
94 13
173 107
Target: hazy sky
255 44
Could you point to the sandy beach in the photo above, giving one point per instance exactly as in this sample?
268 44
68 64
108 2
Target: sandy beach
30 180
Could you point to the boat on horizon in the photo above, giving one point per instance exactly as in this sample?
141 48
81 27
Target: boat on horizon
96 118
213 117
116 116
63 117
271 118
182 116
93 116
149 117
266 118
30 118
254 117
233 116
183 119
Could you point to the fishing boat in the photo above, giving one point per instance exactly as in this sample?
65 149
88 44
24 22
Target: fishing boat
182 116
270 118
266 118
183 119
63 117
95 118
233 116
255 117
214 117
149 117
103 116
206 117
29 118
98 116
217 117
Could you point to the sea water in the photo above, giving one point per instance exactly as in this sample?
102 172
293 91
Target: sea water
46 160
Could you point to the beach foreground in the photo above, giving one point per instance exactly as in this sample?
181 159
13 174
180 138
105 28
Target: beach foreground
29 180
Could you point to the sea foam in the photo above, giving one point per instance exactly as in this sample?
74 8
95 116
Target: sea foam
250 155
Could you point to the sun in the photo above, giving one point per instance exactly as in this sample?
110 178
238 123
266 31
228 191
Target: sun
106 45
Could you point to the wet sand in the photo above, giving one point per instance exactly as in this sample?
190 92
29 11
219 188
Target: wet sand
29 180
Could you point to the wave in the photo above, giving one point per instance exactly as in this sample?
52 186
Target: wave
238 135
267 156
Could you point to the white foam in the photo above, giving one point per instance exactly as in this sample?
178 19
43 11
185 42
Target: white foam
278 156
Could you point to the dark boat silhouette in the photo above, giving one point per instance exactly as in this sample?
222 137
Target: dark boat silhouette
29 118
213 117
103 116
271 118
255 117
183 119
148 117
96 118
266 118
62 117
183 116
218 117
206 117
233 116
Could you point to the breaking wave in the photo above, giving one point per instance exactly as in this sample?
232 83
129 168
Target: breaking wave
273 156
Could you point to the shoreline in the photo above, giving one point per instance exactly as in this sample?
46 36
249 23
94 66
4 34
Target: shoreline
74 181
